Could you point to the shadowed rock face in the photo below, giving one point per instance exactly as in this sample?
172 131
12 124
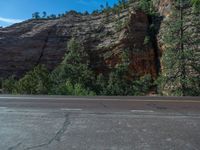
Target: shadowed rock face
33 42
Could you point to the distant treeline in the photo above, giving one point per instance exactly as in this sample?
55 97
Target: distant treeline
122 4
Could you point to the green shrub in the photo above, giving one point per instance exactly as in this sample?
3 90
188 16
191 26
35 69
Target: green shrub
9 85
146 40
147 6
34 82
120 24
142 85
120 82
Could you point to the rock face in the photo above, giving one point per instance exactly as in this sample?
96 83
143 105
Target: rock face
33 42
164 7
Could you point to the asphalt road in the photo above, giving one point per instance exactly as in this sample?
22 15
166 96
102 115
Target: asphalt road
99 123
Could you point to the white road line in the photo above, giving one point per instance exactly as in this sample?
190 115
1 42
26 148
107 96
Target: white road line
71 109
3 107
142 111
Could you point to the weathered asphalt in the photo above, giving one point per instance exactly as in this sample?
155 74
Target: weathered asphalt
99 123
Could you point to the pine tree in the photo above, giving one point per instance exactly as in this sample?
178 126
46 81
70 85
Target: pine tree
74 68
146 6
44 14
196 5
36 15
181 54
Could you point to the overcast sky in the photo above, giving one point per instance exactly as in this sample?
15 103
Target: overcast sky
13 11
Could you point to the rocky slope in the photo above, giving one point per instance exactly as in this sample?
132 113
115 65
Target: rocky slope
33 42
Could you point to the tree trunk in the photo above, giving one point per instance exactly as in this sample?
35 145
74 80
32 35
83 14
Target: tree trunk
183 63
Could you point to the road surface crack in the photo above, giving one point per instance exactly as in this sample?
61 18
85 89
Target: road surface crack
103 105
15 147
56 137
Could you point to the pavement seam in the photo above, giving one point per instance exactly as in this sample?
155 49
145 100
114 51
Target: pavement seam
100 99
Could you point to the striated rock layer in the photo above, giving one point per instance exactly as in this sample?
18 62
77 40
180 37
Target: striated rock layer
33 42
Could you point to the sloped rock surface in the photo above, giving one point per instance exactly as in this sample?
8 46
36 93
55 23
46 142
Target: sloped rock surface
27 44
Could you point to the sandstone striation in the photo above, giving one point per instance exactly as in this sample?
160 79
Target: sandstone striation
27 44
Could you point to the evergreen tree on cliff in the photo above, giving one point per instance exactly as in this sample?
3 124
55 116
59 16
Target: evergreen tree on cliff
180 72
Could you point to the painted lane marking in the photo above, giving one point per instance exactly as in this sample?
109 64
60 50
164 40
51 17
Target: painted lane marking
71 109
142 111
3 107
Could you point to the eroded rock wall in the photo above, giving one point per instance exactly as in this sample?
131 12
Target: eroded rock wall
33 42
